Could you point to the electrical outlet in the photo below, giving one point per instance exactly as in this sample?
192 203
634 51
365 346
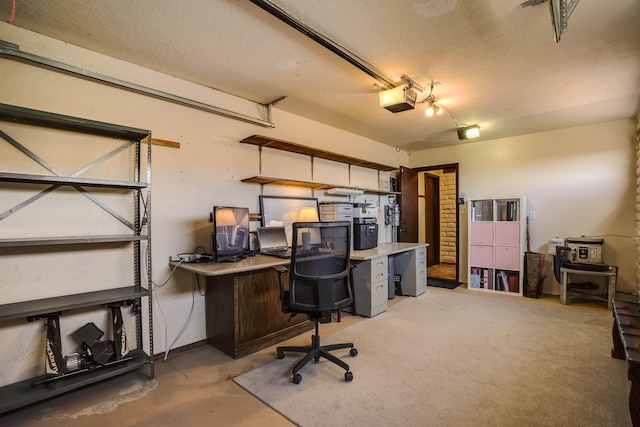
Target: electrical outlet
174 258
532 215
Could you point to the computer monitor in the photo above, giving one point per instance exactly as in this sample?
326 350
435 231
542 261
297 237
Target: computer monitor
230 236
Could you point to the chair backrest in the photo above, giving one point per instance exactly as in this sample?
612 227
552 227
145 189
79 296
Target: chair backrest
320 268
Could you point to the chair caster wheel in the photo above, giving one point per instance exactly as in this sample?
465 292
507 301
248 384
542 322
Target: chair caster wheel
297 378
281 355
348 376
353 352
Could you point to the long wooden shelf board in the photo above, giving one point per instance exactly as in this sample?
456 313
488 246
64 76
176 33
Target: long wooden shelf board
264 141
314 185
12 113
22 393
379 192
70 240
280 181
66 180
45 306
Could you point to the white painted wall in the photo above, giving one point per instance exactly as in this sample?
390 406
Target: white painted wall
579 181
186 182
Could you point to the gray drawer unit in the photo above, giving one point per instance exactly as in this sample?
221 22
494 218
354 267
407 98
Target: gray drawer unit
412 268
370 287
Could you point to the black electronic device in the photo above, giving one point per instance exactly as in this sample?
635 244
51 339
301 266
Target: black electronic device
230 236
365 233
563 259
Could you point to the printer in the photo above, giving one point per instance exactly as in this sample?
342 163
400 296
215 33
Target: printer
365 226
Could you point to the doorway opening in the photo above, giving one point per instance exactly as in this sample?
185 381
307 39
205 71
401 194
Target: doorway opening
438 219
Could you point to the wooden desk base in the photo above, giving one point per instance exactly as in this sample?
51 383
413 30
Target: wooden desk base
626 340
244 315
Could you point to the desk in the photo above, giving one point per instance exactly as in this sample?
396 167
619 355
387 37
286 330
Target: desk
243 309
242 303
605 295
626 345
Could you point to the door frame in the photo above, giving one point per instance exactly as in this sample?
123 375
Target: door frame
455 167
432 205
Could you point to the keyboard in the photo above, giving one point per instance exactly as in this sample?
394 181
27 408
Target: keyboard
285 253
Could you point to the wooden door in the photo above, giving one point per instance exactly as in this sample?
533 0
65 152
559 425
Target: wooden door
432 218
408 229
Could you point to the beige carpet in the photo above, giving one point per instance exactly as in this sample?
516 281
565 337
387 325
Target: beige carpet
454 359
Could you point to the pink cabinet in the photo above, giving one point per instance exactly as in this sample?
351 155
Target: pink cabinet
508 233
481 233
481 255
507 257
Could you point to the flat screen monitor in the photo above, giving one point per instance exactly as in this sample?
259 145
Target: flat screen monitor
230 237
283 211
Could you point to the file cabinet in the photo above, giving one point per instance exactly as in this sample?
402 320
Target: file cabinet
370 286
411 267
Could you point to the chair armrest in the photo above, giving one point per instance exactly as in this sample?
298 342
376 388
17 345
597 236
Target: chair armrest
280 269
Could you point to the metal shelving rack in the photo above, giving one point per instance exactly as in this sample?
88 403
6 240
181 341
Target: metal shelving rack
22 393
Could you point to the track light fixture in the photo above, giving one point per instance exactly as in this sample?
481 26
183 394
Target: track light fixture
430 111
404 97
468 132
433 108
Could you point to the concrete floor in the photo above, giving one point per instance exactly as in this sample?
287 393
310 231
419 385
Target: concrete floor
193 387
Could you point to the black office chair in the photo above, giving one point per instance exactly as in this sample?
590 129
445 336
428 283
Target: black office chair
562 259
319 283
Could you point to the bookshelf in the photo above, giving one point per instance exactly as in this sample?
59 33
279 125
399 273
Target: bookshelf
497 234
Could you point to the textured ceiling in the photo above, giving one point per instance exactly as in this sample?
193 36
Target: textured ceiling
496 61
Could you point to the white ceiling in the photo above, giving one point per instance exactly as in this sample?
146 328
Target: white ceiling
496 61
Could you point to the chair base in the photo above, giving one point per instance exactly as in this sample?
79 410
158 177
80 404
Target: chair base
315 351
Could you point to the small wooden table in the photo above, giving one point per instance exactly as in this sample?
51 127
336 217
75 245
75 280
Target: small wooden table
626 345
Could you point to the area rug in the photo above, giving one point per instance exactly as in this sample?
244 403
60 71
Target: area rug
455 359
442 283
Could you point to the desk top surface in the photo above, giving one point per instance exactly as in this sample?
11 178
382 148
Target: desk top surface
260 262
385 249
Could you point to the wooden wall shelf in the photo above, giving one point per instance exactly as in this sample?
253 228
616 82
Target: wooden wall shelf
313 185
263 141
291 147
